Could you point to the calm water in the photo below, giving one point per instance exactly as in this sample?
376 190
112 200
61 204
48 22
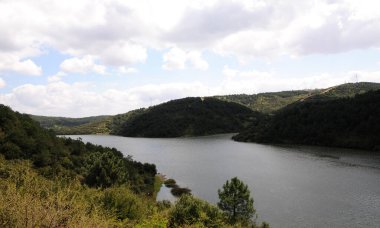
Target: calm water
291 186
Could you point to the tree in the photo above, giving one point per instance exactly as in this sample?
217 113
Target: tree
236 202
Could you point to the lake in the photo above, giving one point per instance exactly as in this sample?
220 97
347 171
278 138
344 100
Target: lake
292 186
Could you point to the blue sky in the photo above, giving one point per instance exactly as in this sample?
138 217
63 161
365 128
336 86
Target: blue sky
109 57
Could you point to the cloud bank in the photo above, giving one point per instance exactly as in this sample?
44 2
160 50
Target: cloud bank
119 33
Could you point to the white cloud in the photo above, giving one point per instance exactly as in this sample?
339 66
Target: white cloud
57 77
82 65
271 28
177 59
174 59
25 67
2 83
127 70
123 53
196 60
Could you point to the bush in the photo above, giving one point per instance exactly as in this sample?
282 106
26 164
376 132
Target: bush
170 183
177 191
124 204
192 211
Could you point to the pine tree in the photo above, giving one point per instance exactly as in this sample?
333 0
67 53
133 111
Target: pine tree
236 202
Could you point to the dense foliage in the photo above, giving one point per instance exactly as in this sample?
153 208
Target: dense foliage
352 122
191 211
189 117
236 202
117 122
23 138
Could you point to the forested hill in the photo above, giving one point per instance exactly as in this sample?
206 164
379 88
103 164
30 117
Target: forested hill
189 117
23 138
352 122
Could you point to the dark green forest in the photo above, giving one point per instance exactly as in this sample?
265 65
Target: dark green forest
189 117
352 122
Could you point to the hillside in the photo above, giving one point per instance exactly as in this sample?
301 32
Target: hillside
188 117
271 102
23 138
352 122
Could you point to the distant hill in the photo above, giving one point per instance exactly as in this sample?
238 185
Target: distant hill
50 121
189 117
271 102
344 90
67 126
93 127
352 122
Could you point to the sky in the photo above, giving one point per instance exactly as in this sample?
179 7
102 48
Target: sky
79 58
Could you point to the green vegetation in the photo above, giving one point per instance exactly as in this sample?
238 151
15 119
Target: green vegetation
194 212
236 202
188 117
96 127
118 122
352 122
